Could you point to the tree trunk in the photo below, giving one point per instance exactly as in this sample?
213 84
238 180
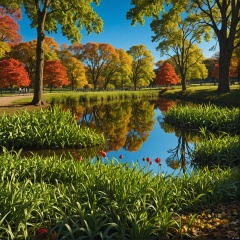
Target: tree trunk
38 84
224 65
183 80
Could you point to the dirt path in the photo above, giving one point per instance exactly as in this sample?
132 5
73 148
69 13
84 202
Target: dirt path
8 101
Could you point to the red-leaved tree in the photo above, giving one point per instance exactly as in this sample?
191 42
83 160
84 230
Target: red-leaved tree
167 75
55 74
9 29
13 73
215 72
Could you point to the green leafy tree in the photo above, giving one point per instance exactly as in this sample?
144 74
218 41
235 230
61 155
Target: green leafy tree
220 17
47 16
177 41
142 66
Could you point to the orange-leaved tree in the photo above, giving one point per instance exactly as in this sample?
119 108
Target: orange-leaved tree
9 29
97 58
13 73
167 75
55 74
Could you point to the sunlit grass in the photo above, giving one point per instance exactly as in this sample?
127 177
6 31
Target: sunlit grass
45 128
101 200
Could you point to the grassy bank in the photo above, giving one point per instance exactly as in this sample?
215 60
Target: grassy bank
220 128
106 200
44 129
205 94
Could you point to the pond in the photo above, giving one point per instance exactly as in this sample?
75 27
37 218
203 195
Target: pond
135 133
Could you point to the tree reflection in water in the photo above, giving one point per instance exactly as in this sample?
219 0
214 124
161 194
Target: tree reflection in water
125 124
180 156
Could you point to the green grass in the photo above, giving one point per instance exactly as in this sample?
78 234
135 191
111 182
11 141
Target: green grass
206 94
219 143
207 116
101 200
45 128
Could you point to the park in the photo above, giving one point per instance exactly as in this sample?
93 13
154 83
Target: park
92 105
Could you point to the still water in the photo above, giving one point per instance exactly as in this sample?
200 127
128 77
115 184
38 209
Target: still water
135 130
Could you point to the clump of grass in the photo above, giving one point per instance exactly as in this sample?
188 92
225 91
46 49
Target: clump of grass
209 116
45 128
101 200
223 150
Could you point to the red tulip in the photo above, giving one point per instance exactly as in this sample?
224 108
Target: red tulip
121 156
103 154
157 160
41 231
150 162
148 159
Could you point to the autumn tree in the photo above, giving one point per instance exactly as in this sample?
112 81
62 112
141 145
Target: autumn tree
142 66
9 29
76 72
166 75
210 63
220 17
55 74
119 71
124 71
25 52
47 16
215 72
13 73
4 48
97 58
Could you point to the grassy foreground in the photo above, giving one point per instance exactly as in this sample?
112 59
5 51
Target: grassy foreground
68 199
62 198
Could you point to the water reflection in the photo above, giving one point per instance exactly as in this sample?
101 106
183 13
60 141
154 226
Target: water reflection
135 130
125 124
180 156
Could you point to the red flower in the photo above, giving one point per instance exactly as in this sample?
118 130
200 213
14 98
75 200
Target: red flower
157 160
150 162
148 159
121 156
80 158
41 231
103 154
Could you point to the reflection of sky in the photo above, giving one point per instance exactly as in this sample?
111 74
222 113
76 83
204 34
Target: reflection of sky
157 145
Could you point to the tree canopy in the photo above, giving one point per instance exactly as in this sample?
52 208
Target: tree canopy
142 66
166 75
221 18
47 16
13 74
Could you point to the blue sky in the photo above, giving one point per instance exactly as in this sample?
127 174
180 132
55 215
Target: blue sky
117 30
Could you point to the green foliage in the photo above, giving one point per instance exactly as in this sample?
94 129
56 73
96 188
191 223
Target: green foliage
102 199
216 146
223 150
142 66
211 117
46 128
